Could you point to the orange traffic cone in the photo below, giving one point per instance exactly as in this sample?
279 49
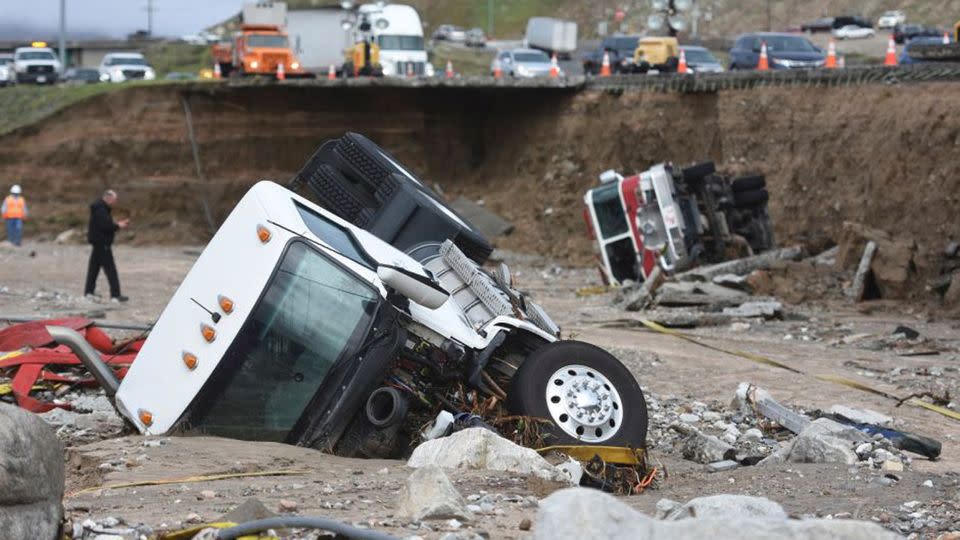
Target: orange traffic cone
682 63
763 64
554 67
216 71
332 73
605 66
831 62
497 69
449 69
946 38
281 74
891 58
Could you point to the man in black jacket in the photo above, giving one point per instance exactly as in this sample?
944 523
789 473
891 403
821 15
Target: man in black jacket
100 235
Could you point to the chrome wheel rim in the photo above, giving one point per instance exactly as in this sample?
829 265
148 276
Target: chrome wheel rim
584 403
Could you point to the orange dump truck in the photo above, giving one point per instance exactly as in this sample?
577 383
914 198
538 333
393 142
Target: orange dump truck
257 49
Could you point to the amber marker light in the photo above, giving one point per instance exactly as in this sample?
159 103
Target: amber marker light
208 332
190 360
263 234
226 304
146 417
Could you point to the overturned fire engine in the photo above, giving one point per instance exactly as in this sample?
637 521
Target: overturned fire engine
675 218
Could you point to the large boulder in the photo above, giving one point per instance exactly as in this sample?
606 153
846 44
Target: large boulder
582 513
429 494
822 441
478 448
31 476
894 266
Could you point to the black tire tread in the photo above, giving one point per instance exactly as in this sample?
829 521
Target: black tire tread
748 183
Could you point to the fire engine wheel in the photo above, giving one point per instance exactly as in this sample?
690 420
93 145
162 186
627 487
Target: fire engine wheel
750 199
587 394
748 183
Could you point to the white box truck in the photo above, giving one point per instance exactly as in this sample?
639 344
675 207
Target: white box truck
317 37
553 36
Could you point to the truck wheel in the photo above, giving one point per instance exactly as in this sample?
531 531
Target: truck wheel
587 394
699 171
750 199
748 183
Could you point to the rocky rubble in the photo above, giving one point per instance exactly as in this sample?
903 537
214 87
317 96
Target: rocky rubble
577 513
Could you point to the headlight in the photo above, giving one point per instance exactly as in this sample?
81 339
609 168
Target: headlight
149 74
254 64
295 65
104 77
522 69
117 73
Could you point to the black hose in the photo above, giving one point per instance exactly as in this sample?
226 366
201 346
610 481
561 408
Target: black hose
283 522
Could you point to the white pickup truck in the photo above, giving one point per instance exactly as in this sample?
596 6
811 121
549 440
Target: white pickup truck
295 325
36 64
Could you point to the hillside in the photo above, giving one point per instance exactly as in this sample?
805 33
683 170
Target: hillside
729 17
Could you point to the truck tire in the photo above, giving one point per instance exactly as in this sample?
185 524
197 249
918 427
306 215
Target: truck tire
699 171
405 212
750 199
589 397
748 183
332 190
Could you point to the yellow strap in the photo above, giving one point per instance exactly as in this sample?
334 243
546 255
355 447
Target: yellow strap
828 378
620 455
187 534
191 479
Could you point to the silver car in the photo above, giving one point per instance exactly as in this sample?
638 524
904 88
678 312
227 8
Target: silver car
701 60
524 63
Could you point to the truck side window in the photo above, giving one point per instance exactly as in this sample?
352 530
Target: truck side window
335 236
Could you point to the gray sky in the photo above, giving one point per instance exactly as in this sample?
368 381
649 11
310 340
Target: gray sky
115 18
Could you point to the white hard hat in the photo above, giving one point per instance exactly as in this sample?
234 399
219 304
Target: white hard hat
15 189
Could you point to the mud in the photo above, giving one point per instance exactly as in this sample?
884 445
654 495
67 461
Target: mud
882 156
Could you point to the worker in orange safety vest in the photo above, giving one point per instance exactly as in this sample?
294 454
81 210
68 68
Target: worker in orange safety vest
14 213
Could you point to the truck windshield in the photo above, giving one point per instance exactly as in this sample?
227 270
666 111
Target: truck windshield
268 41
400 43
312 314
609 209
35 55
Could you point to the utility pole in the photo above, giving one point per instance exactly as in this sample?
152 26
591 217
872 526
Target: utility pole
769 25
63 34
490 7
150 10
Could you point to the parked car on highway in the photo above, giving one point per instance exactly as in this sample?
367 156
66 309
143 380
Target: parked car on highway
35 64
903 33
926 49
889 19
476 38
784 51
701 60
76 75
449 32
6 69
851 20
820 25
524 63
120 67
853 31
620 49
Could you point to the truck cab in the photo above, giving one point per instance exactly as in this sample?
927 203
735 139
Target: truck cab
36 64
397 31
258 49
296 325
657 53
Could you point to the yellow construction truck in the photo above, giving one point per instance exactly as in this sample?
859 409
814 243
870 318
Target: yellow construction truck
661 54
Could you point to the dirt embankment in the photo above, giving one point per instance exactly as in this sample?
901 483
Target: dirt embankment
884 156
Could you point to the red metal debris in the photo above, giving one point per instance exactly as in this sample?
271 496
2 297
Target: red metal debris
33 356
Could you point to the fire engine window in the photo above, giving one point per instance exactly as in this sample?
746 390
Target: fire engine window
335 236
610 215
623 259
311 315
